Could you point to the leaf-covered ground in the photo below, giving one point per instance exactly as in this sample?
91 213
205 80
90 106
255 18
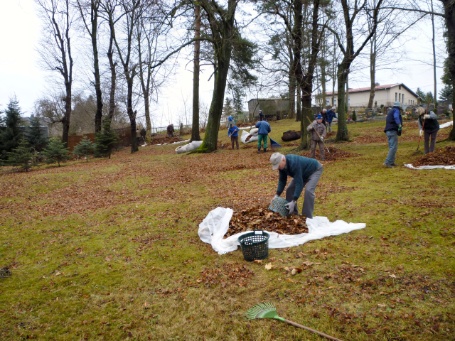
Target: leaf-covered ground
108 249
441 156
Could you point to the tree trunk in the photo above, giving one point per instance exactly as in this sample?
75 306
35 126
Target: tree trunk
148 121
449 15
342 77
96 66
210 141
131 114
372 72
223 31
306 80
197 51
112 68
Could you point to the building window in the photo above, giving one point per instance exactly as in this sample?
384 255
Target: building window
402 98
396 97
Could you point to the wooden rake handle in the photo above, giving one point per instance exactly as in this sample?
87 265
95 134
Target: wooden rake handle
311 330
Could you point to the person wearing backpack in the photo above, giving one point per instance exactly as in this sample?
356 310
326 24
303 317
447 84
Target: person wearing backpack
428 127
393 128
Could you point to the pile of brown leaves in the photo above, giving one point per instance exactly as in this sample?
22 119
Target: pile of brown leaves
331 154
440 157
258 218
162 139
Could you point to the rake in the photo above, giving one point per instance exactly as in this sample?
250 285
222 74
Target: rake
268 310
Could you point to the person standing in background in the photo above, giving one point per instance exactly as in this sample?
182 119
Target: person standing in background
428 127
263 133
393 127
233 133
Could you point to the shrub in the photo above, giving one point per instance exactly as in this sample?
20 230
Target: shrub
84 148
56 152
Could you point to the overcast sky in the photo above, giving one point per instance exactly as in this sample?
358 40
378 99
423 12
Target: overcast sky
22 77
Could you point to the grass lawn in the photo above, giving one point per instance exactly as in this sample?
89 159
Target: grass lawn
108 249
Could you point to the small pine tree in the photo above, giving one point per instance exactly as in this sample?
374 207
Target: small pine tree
105 141
354 116
21 156
35 135
10 134
84 148
56 152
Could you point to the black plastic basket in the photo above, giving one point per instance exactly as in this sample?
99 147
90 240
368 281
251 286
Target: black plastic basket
254 245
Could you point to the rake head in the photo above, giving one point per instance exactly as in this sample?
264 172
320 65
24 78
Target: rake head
262 311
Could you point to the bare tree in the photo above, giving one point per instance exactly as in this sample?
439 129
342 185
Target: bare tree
449 16
56 50
305 71
107 12
223 33
152 27
195 136
355 12
129 13
89 11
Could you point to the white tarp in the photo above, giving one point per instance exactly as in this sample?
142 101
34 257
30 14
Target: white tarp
254 135
216 224
429 167
445 125
188 147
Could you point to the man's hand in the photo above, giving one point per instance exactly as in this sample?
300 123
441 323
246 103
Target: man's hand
290 206
421 132
426 116
322 139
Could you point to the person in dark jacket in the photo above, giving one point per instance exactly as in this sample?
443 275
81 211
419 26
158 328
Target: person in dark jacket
318 134
233 133
428 126
393 128
305 173
263 133
170 130
330 116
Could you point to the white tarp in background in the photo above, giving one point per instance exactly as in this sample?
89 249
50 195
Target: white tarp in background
445 125
429 167
188 147
216 224
254 135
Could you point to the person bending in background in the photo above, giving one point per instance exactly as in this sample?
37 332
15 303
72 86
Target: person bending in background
263 133
305 173
428 127
330 116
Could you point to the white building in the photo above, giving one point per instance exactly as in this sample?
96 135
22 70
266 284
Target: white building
385 96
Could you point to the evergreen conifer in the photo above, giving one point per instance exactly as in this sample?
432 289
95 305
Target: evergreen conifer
10 133
56 152
105 141
21 156
84 148
35 136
